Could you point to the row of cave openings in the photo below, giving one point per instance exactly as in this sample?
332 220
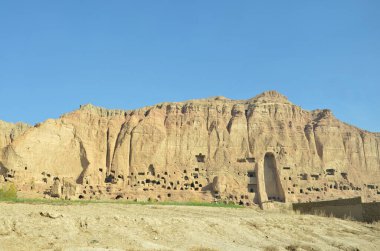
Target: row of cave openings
110 178
272 182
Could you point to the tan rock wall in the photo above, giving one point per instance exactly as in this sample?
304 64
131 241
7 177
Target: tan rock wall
93 143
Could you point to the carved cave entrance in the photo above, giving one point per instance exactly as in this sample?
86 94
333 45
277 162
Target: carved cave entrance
272 181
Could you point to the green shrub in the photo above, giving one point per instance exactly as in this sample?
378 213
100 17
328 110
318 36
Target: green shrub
8 191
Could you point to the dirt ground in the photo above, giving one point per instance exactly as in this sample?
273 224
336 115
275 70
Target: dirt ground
153 227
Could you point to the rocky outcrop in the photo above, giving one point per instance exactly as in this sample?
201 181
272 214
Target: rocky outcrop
219 137
8 133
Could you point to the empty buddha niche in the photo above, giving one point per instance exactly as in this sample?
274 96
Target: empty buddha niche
272 182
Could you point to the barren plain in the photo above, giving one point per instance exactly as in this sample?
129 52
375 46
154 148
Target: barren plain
110 226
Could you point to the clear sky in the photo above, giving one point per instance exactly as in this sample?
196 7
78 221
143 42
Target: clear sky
56 55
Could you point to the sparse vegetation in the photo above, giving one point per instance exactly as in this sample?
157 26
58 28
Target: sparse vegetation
271 248
292 248
83 202
8 192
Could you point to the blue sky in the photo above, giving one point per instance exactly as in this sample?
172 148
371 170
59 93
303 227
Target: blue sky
56 55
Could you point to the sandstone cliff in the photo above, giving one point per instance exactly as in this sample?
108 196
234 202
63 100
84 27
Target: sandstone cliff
8 133
222 137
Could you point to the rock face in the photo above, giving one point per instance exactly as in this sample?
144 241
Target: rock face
8 133
244 151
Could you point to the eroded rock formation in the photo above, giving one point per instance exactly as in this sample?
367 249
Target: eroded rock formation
8 133
209 149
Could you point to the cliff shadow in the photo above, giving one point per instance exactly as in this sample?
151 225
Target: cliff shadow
84 163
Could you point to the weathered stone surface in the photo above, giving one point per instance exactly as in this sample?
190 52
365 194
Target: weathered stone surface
8 133
56 189
68 188
159 148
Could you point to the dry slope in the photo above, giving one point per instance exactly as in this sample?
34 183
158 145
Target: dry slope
137 227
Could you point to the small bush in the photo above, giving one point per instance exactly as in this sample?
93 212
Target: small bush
271 248
8 191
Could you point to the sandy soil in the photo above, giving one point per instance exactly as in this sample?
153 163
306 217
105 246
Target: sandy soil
139 227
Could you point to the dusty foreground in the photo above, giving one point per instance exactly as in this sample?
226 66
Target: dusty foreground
139 227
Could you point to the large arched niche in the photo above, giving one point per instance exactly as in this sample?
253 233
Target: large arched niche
273 188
